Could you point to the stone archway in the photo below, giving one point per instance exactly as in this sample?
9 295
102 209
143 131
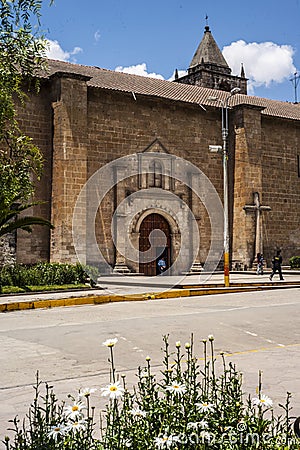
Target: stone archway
158 247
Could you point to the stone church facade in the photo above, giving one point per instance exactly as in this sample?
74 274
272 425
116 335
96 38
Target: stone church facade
145 132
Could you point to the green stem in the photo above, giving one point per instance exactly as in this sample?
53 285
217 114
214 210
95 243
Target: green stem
112 365
205 366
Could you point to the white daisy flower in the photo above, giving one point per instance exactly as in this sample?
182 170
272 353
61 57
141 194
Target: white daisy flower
77 425
264 400
165 441
110 342
57 431
137 412
195 425
203 424
86 392
74 411
205 407
205 436
176 388
211 337
114 390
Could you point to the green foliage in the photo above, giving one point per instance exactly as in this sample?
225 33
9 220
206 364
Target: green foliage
11 290
22 51
19 161
191 404
42 274
30 288
191 407
295 262
45 415
22 47
10 219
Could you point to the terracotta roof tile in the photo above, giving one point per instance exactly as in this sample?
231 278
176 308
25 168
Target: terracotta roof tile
119 81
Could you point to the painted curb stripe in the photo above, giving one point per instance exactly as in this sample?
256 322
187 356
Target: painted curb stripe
99 299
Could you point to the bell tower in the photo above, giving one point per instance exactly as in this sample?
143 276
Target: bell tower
209 68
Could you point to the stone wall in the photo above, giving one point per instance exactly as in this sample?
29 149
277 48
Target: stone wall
8 249
247 179
281 186
69 174
81 129
120 126
35 120
207 77
266 162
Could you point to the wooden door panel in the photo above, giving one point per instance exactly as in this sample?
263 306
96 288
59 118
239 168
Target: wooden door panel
150 223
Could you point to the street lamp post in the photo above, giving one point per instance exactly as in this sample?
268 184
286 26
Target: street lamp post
225 180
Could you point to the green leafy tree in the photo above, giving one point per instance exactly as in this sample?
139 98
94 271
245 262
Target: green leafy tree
22 55
10 219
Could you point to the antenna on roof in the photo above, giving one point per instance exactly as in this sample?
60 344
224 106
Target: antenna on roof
295 81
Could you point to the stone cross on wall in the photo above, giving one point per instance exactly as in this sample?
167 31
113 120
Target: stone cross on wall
257 208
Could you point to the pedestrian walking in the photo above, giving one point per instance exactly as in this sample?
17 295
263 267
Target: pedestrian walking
276 265
260 264
162 265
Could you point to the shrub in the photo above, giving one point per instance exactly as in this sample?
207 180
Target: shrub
42 274
189 406
295 262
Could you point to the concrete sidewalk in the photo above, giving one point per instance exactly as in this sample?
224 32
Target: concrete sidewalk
139 288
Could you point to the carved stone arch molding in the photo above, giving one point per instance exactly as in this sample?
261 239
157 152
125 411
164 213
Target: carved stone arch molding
167 214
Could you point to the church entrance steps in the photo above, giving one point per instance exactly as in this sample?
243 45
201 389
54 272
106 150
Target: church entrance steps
240 285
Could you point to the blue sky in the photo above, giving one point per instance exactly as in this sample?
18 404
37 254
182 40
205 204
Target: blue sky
155 37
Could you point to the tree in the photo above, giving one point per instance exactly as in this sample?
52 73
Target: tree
22 51
10 219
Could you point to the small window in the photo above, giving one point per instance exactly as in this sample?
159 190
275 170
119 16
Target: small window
155 175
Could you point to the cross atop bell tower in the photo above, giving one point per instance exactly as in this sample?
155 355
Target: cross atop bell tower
209 68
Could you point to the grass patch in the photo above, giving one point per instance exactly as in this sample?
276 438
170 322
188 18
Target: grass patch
55 287
12 290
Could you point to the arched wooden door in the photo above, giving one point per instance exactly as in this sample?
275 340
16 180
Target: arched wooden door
160 247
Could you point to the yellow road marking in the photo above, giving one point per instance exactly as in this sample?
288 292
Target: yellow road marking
255 350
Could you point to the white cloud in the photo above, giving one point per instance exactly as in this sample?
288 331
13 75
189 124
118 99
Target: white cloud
139 69
264 63
54 51
97 36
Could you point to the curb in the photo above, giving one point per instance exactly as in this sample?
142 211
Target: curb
100 299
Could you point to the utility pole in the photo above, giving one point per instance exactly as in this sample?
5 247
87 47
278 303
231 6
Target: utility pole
225 153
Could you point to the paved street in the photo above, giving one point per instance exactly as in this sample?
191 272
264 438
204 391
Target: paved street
260 330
